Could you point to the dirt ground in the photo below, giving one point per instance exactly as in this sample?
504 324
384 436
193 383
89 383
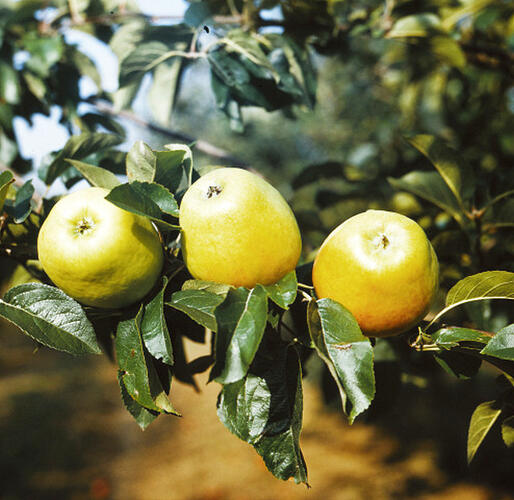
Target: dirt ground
64 434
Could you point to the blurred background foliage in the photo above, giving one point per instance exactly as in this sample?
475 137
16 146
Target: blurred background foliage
319 96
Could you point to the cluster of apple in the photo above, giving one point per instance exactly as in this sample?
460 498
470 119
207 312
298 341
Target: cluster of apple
237 229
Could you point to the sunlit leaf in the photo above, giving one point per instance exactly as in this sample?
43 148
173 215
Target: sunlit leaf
96 176
283 293
138 372
508 431
140 163
446 338
78 147
489 284
50 317
199 305
447 162
146 199
6 179
154 329
346 351
241 320
143 416
416 25
502 344
432 187
483 418
208 286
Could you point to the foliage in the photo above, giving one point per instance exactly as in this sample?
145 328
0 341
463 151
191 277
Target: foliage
447 70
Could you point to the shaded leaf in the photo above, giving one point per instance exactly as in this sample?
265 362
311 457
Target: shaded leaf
163 92
19 208
143 58
50 317
458 364
96 176
483 418
265 409
199 305
241 320
154 329
174 167
502 344
346 351
283 293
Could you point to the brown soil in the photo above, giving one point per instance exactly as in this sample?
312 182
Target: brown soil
65 434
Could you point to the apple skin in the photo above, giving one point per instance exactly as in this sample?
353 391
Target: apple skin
237 229
381 266
97 253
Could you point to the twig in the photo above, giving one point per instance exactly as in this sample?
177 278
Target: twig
199 144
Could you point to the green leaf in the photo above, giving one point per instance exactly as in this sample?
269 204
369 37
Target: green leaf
346 351
265 409
448 164
502 344
460 365
146 199
283 293
199 305
508 431
79 147
154 329
174 167
10 91
416 25
208 286
446 338
50 317
138 372
483 418
19 208
449 51
86 67
141 163
96 176
164 89
489 284
432 187
45 51
142 415
35 84
8 149
6 179
241 321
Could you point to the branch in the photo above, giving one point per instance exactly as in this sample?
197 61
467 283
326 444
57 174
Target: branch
199 144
